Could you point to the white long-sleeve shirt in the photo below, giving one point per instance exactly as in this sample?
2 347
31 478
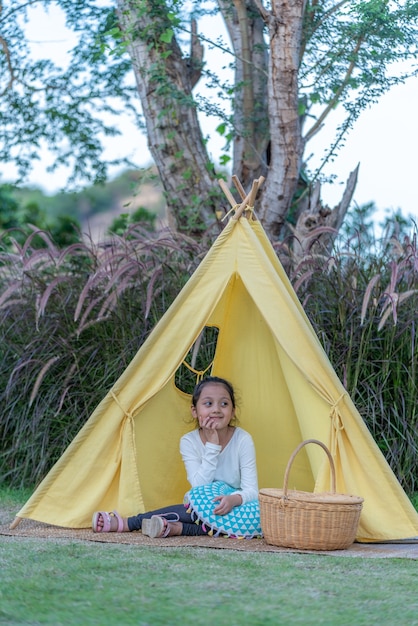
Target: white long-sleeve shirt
235 464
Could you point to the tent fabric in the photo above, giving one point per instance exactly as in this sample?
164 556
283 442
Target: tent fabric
126 457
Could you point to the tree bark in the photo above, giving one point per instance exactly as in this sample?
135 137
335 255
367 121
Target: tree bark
164 79
285 30
250 111
318 225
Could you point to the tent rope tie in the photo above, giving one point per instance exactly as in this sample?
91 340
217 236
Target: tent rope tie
234 210
336 420
128 416
231 210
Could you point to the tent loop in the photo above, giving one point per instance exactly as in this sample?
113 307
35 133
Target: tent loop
199 373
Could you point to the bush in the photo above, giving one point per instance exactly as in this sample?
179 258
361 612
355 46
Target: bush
18 219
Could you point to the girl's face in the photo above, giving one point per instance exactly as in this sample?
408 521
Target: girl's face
214 407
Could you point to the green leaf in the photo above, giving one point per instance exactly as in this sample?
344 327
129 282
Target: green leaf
167 36
225 158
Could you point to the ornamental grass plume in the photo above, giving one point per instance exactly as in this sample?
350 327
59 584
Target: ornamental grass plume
363 302
71 320
402 283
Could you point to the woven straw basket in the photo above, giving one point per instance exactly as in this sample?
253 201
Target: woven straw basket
309 521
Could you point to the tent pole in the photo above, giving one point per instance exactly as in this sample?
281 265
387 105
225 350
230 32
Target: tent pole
15 523
249 199
238 185
226 191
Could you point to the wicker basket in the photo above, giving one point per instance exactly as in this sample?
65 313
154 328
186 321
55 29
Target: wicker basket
309 521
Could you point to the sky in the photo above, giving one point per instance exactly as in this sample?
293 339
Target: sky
384 140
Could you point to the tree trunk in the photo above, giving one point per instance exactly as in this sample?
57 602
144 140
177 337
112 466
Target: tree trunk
285 30
250 116
164 79
318 226
267 125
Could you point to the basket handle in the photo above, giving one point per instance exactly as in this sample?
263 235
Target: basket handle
300 446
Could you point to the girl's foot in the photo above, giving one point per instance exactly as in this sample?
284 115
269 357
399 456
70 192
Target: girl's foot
104 522
158 526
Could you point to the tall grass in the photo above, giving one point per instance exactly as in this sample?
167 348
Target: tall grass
363 303
72 319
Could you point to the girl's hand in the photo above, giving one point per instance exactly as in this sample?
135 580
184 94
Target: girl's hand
209 426
226 503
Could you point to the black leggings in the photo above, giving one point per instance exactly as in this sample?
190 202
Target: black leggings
190 528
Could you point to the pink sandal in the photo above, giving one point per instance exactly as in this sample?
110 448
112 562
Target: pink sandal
106 522
158 525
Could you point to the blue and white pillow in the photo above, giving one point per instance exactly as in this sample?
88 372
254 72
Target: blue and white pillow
243 521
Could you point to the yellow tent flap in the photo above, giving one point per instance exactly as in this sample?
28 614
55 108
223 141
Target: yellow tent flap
126 457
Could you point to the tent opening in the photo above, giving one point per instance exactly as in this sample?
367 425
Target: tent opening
198 361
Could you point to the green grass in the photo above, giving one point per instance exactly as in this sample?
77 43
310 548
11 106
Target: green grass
13 497
45 582
62 582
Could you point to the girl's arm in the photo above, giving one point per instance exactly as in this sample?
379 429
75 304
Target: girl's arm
248 478
248 468
200 461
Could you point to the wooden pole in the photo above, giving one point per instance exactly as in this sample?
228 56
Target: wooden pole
15 523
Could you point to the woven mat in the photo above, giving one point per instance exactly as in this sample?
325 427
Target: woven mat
37 530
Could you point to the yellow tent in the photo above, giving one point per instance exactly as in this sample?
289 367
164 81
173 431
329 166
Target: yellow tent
126 457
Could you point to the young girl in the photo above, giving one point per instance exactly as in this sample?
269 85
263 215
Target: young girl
221 468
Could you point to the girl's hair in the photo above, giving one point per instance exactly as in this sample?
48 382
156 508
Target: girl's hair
212 379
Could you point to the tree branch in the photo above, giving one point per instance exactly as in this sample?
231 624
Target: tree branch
196 55
5 47
263 12
314 129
